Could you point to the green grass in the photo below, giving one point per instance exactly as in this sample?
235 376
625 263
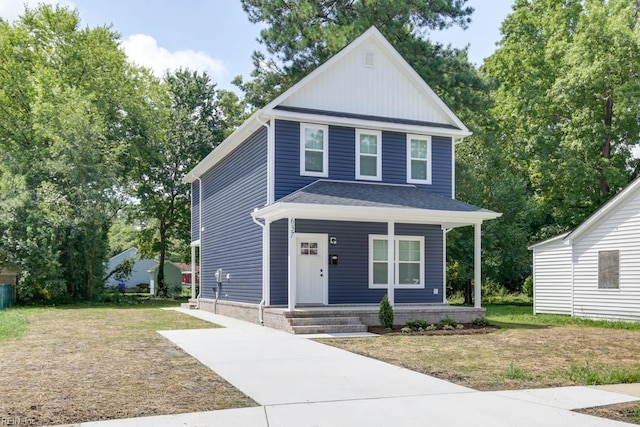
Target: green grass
521 316
585 374
14 322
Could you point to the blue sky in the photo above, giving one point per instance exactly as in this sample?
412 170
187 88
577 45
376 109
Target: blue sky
216 36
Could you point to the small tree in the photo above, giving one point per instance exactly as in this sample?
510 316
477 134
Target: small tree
385 315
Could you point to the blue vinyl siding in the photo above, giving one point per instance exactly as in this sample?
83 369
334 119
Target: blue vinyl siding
349 279
279 262
232 189
342 159
195 218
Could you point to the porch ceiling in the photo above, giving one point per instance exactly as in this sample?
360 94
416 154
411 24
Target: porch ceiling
375 202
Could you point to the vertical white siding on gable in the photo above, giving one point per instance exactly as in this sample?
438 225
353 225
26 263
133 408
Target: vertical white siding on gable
552 278
382 90
619 231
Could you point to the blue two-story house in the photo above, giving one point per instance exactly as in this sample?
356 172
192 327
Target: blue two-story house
337 192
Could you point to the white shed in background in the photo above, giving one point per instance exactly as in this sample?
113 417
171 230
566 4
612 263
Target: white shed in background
593 271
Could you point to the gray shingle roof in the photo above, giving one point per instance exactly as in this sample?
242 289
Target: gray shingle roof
373 195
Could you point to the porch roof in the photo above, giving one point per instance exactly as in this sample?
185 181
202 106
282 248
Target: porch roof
360 201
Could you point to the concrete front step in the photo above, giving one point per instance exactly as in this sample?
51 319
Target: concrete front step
338 320
328 329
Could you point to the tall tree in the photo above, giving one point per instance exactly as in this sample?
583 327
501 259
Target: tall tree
567 102
301 35
69 107
190 127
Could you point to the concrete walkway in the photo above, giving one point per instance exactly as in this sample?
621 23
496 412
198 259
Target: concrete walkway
300 382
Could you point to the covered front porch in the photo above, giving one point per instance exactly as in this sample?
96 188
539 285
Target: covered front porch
362 236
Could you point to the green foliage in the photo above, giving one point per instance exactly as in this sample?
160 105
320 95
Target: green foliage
417 324
527 286
602 374
447 323
385 314
522 315
480 321
69 113
515 373
13 323
566 104
122 270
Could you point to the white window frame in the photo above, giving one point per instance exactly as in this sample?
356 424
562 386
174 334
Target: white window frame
325 150
411 180
378 135
396 262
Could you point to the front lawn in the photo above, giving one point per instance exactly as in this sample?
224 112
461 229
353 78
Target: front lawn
80 363
528 352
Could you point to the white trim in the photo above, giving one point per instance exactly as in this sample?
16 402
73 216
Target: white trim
324 238
453 168
194 243
393 269
367 124
378 155
444 265
280 210
266 263
292 263
547 241
477 265
324 151
271 161
427 138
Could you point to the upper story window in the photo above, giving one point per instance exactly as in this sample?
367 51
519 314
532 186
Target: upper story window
369 155
419 159
314 150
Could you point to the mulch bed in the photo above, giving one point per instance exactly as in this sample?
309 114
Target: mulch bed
469 329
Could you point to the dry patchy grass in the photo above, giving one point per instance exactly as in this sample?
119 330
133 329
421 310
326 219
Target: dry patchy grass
527 357
625 412
76 365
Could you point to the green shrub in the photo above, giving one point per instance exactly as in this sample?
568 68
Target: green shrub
480 321
527 287
406 330
447 321
385 315
431 327
416 324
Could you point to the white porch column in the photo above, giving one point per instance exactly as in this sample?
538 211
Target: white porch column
391 253
293 251
193 272
477 265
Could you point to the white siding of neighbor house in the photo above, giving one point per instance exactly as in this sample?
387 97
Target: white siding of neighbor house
620 230
552 278
383 90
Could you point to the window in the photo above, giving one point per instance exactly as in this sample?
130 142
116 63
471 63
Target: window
608 269
314 150
419 159
308 248
368 155
408 262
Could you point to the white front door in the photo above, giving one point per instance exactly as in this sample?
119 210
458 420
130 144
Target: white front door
311 268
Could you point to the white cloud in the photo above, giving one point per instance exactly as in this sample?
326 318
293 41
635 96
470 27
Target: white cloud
11 9
144 50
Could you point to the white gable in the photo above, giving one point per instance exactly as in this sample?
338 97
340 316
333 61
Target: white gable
369 78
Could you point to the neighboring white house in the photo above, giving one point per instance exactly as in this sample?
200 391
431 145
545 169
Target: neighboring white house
593 271
139 272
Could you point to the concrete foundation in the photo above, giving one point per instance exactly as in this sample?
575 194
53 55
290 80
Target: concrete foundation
279 317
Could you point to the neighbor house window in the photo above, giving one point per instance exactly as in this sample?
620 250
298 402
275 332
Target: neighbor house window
419 159
368 155
608 269
407 263
314 150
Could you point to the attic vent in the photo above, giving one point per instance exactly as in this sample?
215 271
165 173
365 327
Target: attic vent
368 59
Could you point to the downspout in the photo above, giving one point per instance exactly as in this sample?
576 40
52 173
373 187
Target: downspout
270 172
200 239
261 305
